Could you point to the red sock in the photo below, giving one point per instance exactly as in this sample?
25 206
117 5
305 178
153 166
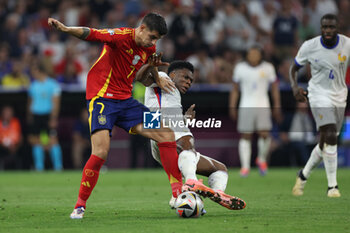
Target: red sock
89 179
169 157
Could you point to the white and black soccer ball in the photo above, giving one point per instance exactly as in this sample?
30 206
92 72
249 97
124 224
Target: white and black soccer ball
189 205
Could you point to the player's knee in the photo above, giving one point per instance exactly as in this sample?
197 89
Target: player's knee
329 150
330 138
220 166
185 143
100 152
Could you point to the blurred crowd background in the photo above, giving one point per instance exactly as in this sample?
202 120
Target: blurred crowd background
212 34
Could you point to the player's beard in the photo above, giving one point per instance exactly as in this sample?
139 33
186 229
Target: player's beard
329 42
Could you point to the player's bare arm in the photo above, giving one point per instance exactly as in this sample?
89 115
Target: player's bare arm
80 32
275 93
298 92
233 101
149 73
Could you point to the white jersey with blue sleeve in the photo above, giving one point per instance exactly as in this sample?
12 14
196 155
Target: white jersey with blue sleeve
328 69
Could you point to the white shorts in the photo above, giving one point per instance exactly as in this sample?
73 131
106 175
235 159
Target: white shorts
325 114
254 119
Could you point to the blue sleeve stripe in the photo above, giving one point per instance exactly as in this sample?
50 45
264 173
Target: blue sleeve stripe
296 63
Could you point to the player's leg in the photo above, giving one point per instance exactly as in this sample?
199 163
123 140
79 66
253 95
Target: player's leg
245 153
328 134
102 116
264 142
303 174
168 154
100 142
328 122
188 158
214 170
217 179
263 124
246 126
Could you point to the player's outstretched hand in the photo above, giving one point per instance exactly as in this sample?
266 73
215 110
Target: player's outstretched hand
57 24
156 60
190 113
166 84
300 94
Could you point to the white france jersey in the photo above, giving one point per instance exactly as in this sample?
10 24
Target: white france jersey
169 103
328 69
254 83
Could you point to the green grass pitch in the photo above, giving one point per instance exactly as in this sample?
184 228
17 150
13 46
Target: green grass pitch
137 201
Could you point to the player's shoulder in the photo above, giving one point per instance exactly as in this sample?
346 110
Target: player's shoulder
241 65
344 39
267 64
312 43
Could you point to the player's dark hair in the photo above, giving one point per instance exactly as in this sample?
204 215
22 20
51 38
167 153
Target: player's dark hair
155 22
329 16
178 65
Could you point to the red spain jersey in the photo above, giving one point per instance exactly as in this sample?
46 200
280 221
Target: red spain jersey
113 73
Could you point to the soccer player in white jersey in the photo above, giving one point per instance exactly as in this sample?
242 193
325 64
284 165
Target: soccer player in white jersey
328 56
190 162
253 78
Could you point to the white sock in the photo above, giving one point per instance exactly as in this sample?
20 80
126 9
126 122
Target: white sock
245 151
188 164
330 160
314 160
218 180
263 148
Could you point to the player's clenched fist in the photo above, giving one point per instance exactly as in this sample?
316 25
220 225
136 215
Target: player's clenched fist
57 24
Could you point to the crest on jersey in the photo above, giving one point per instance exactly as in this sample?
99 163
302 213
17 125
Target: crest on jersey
136 59
102 119
341 58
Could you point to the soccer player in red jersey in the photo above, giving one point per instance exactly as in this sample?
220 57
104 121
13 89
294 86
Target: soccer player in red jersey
109 101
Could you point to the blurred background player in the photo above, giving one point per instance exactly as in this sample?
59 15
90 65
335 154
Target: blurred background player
43 109
190 161
109 100
252 78
10 138
328 56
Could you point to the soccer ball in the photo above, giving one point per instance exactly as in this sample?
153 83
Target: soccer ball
189 205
